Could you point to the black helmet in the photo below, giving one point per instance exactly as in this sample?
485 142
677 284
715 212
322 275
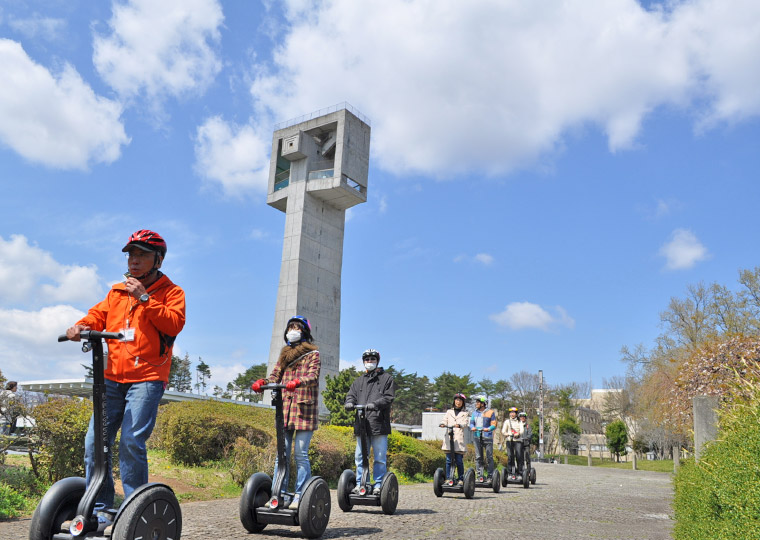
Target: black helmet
370 353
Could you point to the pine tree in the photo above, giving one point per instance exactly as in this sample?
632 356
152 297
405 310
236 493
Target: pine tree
334 396
180 377
202 372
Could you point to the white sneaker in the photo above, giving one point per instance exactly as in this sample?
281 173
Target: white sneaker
294 503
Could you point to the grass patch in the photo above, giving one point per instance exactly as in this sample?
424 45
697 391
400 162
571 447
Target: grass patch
658 465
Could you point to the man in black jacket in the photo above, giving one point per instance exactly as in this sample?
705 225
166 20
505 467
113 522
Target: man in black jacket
375 389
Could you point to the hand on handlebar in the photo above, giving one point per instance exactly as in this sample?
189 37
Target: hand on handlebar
292 385
370 406
256 387
73 333
350 406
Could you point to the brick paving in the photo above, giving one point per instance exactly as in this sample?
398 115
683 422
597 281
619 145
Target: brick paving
567 502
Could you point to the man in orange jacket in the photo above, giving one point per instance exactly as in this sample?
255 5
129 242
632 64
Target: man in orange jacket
150 311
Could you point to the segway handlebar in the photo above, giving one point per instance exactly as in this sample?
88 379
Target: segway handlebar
273 386
88 335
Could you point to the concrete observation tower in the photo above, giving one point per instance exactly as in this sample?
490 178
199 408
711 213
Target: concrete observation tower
318 169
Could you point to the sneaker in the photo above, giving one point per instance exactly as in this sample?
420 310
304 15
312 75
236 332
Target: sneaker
294 503
355 491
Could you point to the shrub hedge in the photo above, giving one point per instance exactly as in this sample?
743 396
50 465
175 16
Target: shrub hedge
59 432
406 464
193 432
719 497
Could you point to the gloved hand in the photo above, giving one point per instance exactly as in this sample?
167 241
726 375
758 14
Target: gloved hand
292 385
370 406
256 387
350 406
491 428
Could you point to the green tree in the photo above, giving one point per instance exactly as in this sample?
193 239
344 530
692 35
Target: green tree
202 372
180 377
241 385
412 396
617 438
87 370
569 434
447 384
334 396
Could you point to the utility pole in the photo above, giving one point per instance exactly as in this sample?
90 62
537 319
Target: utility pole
541 413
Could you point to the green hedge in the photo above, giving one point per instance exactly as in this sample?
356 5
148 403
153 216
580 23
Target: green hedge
719 497
429 453
193 432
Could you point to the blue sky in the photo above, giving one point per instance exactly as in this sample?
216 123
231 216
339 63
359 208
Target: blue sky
544 177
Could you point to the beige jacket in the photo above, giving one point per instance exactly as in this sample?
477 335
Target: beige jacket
512 429
452 419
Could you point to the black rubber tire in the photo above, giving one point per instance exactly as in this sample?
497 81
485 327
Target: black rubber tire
57 505
389 494
438 479
533 476
154 514
314 508
496 481
256 493
504 477
346 483
526 479
468 483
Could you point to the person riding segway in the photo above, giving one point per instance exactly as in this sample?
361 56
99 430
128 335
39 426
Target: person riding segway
262 502
527 436
371 396
483 424
456 480
69 509
512 430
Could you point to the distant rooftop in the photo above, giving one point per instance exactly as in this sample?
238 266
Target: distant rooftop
321 112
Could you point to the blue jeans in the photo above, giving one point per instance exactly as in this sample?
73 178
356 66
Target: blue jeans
303 467
133 408
459 463
379 444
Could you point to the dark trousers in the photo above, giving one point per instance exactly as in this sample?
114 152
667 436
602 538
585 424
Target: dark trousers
515 449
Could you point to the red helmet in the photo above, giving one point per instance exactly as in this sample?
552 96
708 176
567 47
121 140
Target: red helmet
147 241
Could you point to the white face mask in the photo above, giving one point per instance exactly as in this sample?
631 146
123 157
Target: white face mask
293 336
370 366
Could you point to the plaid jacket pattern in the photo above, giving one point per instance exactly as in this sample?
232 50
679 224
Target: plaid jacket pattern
300 408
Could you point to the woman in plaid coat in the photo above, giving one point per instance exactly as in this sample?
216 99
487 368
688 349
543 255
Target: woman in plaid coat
298 369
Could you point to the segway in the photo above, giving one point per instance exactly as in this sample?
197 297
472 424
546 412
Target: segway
528 466
313 511
482 481
386 497
67 510
512 476
442 485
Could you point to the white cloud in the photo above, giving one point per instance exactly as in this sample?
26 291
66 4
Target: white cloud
160 48
236 157
345 364
29 349
683 250
258 234
38 27
522 315
485 259
29 276
55 120
493 85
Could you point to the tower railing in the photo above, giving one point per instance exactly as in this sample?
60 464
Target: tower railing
321 112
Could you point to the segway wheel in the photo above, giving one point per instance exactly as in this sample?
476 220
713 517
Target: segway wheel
314 508
496 481
256 493
346 483
438 479
154 513
526 479
533 476
389 494
469 484
57 505
504 477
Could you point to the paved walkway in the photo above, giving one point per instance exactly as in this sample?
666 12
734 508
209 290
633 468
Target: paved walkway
567 502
